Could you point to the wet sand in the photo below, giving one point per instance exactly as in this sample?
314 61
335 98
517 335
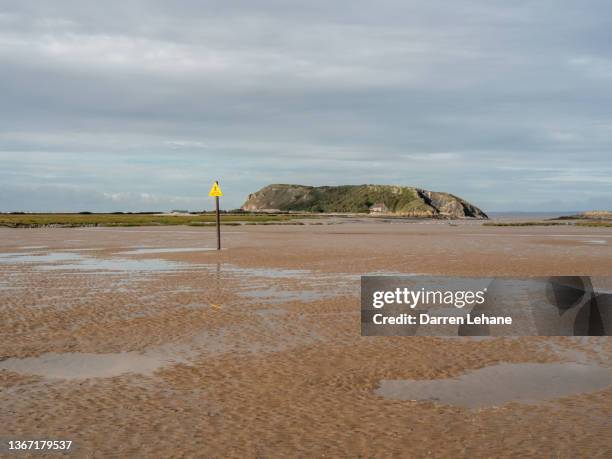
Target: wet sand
139 342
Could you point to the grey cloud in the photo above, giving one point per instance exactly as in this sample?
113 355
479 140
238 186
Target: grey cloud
484 99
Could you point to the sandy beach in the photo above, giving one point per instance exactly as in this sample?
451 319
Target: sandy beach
145 342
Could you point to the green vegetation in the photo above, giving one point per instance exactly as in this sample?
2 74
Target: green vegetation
359 199
595 224
347 198
89 219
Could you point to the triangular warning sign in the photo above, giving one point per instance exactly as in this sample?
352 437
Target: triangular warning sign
215 190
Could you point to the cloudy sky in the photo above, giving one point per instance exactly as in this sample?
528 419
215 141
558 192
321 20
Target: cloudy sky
140 105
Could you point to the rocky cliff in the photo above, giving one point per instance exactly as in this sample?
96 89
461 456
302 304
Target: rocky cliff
394 200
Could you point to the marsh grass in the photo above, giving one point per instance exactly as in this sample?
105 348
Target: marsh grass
80 220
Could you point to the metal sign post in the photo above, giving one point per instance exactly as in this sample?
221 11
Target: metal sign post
215 191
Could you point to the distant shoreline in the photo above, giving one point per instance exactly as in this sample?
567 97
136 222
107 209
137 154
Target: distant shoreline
77 220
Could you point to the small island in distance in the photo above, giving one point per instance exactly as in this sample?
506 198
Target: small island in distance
372 199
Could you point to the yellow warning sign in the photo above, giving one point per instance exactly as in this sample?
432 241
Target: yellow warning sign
215 190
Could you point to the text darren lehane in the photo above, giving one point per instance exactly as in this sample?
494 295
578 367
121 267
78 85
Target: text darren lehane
426 319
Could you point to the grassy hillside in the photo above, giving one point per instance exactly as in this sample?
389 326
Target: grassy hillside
359 199
399 200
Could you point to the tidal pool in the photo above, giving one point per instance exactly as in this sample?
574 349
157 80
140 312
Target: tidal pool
86 365
504 383
149 250
74 261
38 258
268 335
